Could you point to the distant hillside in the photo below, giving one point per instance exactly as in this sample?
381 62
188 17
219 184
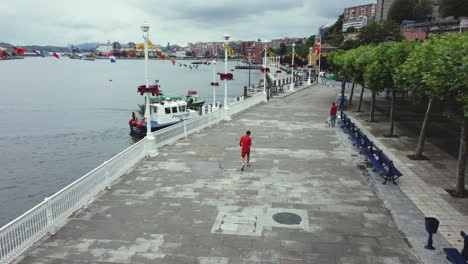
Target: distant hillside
86 46
37 47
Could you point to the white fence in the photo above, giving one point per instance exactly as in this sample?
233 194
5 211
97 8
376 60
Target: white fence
51 214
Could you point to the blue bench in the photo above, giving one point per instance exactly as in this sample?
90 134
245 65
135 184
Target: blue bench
382 164
454 255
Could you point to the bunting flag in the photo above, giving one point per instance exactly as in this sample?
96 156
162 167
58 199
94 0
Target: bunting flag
39 53
230 51
56 55
112 58
318 46
20 51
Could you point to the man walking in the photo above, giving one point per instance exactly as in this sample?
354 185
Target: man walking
245 142
333 110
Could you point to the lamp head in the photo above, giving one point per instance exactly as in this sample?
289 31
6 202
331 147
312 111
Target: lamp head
294 44
145 27
226 36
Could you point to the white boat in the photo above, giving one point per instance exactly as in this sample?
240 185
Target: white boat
165 110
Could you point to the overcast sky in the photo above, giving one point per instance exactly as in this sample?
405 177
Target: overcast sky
64 22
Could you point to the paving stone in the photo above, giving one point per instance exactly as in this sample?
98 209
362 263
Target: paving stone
164 210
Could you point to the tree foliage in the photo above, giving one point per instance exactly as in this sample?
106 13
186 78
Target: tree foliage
401 10
456 8
422 10
380 32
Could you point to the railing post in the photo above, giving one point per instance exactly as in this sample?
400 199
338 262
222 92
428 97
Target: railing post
185 129
108 180
50 218
150 147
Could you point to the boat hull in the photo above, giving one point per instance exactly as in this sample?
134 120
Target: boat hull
140 131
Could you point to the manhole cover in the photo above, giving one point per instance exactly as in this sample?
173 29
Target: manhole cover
287 218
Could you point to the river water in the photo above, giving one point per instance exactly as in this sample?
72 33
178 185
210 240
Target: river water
62 118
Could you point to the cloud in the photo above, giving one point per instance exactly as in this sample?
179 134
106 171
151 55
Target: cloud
62 22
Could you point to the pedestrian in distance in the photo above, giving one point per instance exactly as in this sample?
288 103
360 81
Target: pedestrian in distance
333 110
245 143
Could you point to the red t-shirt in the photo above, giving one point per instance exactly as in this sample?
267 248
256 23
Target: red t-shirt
333 110
245 142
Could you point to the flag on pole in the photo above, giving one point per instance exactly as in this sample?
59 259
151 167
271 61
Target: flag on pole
56 55
112 58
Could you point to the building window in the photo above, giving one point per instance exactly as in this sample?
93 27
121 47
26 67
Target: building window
174 109
168 110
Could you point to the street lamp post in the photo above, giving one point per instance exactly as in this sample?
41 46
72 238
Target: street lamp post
265 71
309 81
249 58
145 29
214 85
291 87
226 107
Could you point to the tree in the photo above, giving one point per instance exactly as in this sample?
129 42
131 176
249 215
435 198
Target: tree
351 30
438 69
379 32
373 77
401 10
422 10
282 49
455 8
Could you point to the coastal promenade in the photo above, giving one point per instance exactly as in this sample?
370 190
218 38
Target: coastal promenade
193 204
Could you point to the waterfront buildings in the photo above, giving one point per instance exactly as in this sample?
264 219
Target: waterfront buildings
276 43
254 53
358 16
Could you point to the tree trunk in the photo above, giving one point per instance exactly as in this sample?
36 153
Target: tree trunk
343 86
351 93
422 135
360 99
372 107
392 113
460 186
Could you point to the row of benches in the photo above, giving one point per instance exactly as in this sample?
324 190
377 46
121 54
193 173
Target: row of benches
382 164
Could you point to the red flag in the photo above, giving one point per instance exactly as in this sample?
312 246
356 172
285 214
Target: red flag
56 55
134 52
128 54
20 51
173 62
3 57
163 57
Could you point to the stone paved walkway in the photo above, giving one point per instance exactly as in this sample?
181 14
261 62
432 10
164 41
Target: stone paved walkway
192 204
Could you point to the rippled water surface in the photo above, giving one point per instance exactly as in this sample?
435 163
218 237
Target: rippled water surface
62 118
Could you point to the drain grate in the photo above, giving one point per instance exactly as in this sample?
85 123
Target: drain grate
287 218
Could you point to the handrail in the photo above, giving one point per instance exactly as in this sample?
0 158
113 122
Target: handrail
51 214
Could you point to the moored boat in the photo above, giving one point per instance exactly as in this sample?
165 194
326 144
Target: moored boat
165 110
193 100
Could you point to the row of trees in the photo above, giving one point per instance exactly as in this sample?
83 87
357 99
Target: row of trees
436 70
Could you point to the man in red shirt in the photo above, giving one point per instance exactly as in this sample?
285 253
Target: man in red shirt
245 142
333 110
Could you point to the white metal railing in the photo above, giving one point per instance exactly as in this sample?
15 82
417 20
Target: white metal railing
51 214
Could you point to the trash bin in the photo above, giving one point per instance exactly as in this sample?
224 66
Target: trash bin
332 77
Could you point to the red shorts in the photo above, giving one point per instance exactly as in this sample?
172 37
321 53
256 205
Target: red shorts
245 152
